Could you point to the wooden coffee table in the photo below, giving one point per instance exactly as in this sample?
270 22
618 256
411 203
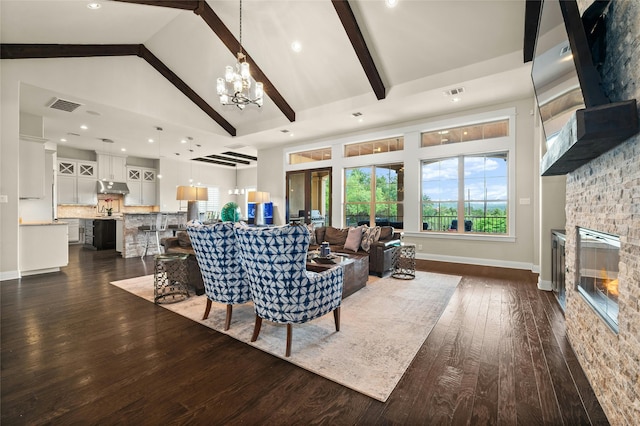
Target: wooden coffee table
356 270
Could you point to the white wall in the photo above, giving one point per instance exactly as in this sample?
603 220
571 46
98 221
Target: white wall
519 252
127 83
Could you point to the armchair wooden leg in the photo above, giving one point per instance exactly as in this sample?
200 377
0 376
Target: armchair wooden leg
256 328
207 309
289 333
227 321
336 318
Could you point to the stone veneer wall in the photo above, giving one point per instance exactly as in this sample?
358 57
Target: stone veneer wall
605 195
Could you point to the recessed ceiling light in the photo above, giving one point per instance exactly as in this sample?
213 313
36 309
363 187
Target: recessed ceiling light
183 141
94 6
391 3
296 46
123 149
455 100
63 140
84 127
150 140
290 135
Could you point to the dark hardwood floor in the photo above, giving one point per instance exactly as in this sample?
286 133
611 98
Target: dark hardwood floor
77 350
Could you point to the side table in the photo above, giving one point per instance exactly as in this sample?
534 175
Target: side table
404 262
170 278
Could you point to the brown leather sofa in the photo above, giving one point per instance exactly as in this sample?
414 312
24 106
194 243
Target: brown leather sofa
380 253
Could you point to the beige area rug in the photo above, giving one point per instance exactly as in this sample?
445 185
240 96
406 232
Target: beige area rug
382 328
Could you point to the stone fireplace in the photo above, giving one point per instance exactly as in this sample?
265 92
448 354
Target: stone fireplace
604 195
598 258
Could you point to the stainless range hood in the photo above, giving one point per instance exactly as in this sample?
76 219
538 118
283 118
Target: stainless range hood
108 187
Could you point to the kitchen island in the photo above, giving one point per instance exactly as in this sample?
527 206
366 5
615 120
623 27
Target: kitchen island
133 239
43 247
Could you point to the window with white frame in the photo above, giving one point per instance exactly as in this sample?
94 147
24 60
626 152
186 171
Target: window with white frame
466 194
211 207
467 185
375 194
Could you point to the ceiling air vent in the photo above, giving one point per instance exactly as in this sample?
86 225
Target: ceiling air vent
454 92
63 105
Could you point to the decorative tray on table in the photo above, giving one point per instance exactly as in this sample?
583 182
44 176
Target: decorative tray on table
330 259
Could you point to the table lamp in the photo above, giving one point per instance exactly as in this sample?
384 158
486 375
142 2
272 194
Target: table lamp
192 194
259 198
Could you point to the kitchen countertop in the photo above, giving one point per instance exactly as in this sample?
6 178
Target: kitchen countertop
43 223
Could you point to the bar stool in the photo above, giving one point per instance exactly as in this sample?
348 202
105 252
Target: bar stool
159 226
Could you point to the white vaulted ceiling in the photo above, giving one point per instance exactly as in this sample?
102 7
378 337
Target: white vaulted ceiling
420 49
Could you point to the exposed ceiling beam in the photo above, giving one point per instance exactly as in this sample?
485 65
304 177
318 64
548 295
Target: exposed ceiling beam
240 155
31 51
233 160
348 19
184 88
211 161
203 9
531 18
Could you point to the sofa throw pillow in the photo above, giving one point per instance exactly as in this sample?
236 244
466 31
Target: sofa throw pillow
386 232
354 236
312 234
369 236
183 239
335 236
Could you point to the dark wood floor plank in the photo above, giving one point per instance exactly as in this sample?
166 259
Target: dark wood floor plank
506 363
544 385
485 407
76 350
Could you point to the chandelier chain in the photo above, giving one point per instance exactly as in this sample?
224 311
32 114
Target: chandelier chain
240 26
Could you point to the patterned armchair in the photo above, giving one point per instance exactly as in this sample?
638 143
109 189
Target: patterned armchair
282 289
225 280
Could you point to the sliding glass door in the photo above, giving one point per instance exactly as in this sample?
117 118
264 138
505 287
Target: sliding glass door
309 196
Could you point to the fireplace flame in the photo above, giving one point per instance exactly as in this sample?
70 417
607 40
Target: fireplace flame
610 285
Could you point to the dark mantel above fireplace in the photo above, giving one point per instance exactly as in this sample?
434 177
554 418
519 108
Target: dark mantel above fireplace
568 87
589 133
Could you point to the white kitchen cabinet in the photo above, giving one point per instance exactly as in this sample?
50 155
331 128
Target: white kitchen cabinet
86 191
43 248
112 167
67 189
142 187
76 183
32 169
74 230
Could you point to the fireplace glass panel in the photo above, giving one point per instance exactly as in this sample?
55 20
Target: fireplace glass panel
599 256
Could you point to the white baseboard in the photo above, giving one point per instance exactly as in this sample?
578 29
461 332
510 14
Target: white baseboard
40 271
9 275
544 285
476 261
